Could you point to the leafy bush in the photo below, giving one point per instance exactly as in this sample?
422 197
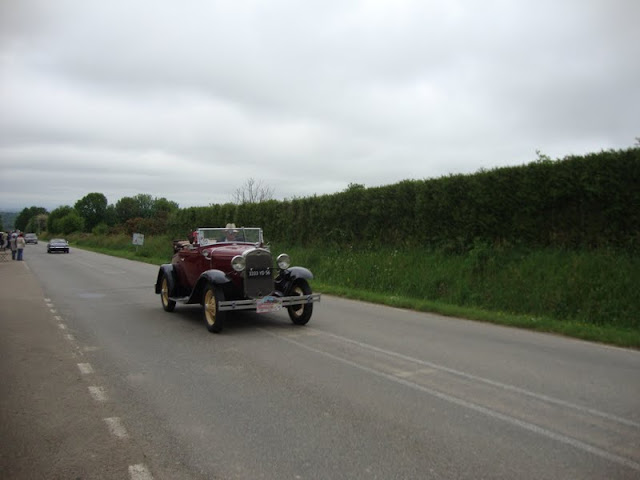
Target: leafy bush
100 229
72 222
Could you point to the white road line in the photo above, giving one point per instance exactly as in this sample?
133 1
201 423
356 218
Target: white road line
493 383
139 472
475 407
419 371
116 428
47 300
53 310
69 337
62 326
98 394
57 318
85 368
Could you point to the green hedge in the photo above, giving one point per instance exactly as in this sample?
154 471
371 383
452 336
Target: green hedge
590 201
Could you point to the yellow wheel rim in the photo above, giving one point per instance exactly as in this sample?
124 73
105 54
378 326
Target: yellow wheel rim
297 309
164 291
210 307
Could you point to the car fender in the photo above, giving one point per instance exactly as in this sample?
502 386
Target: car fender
300 272
217 277
288 277
168 270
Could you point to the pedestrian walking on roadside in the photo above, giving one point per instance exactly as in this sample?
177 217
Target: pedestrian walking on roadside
20 244
12 244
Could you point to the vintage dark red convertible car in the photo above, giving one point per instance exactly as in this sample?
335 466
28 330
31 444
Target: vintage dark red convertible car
228 269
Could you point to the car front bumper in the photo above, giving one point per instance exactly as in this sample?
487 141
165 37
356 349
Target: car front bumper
252 304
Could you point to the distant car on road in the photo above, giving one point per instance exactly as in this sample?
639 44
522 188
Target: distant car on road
30 238
229 269
57 245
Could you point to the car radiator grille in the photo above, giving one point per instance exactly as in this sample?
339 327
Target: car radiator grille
258 274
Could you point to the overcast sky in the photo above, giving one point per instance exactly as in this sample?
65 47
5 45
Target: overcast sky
187 99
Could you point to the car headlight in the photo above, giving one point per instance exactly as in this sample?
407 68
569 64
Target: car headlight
283 261
238 263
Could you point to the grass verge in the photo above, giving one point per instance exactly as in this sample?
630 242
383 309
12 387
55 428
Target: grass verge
620 337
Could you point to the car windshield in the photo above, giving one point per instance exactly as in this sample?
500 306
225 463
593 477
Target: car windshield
58 240
208 236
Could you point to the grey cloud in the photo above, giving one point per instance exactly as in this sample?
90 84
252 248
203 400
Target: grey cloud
188 99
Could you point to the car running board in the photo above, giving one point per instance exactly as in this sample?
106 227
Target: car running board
179 299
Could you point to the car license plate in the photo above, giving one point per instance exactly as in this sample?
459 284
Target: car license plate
268 304
259 272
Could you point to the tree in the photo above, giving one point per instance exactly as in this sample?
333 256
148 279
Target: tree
252 191
111 217
92 208
355 187
163 207
72 222
126 208
37 224
53 220
27 214
145 205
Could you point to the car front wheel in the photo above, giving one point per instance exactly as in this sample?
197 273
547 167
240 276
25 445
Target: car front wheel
301 314
213 317
167 304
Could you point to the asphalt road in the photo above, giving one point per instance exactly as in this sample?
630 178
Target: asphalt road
99 382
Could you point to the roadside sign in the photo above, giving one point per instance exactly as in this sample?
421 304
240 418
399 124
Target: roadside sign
138 239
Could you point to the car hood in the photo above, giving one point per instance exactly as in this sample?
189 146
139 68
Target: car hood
227 252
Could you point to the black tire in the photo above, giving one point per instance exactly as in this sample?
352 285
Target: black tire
213 318
167 304
300 314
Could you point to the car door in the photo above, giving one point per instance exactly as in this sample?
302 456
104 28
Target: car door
189 266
